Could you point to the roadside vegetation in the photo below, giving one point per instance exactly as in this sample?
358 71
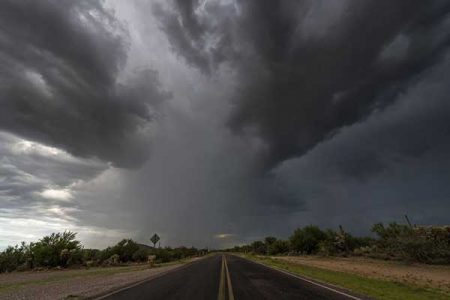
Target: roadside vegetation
393 246
372 287
63 250
430 245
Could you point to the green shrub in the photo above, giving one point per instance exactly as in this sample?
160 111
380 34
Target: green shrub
278 247
307 239
93 255
47 251
425 244
10 259
113 260
420 244
341 243
258 247
62 249
140 255
125 249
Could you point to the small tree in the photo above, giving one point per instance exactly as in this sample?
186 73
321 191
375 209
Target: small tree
258 247
140 255
13 258
307 239
278 247
124 249
47 251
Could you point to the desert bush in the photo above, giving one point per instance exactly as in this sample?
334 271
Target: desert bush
278 247
47 251
90 263
307 239
57 249
106 253
125 249
11 258
258 247
71 257
170 254
341 243
162 255
63 250
422 244
113 260
93 255
141 255
425 244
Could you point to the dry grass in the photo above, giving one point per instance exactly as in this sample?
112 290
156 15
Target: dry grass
68 284
428 276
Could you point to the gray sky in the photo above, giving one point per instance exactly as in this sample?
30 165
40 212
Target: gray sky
219 122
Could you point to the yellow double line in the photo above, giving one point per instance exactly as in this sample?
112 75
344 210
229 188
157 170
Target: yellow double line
223 286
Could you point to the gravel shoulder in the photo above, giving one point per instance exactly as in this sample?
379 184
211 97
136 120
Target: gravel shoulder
75 284
422 275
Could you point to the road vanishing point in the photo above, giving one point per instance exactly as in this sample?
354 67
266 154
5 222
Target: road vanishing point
228 277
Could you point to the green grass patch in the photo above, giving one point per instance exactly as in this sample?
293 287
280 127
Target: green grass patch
376 288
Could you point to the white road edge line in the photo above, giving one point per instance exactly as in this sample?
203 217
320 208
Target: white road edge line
304 279
135 284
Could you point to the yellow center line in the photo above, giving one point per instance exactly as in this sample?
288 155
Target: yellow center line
230 287
221 295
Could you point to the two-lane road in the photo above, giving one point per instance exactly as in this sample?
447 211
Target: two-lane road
227 277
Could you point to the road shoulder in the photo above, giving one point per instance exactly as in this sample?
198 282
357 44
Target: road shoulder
356 284
78 284
324 285
176 267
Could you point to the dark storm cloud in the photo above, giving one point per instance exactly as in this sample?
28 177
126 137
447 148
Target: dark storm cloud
60 85
302 77
283 114
204 41
412 130
395 162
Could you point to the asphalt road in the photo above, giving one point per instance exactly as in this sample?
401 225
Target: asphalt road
227 277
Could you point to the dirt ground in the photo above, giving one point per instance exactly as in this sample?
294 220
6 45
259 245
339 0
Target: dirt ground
73 284
416 274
